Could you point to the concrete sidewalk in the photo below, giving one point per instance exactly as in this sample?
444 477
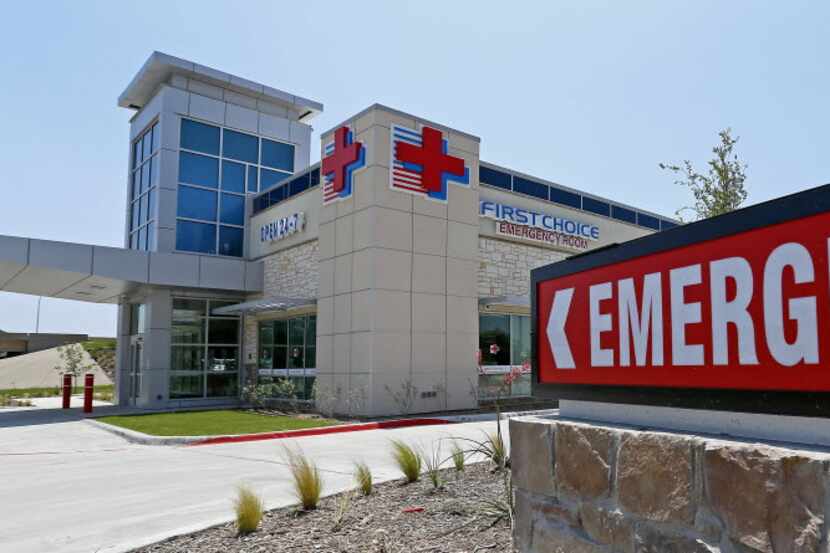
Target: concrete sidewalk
70 487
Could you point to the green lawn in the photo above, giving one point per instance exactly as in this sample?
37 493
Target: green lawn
211 423
49 391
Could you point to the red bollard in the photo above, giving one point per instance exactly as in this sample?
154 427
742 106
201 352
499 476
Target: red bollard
88 386
67 390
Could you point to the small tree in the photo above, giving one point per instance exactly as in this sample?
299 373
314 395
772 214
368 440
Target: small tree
722 189
73 361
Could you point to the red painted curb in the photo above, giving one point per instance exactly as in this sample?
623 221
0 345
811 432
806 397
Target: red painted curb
337 429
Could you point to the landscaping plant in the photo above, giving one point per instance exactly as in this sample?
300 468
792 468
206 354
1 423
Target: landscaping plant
407 459
249 510
363 477
308 484
458 457
433 462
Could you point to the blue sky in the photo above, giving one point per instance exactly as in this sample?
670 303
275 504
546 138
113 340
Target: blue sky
590 94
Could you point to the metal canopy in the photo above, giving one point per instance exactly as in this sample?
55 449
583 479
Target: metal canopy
505 301
273 303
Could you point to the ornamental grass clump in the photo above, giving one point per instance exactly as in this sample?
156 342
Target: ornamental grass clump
408 460
249 510
458 457
308 484
363 477
433 462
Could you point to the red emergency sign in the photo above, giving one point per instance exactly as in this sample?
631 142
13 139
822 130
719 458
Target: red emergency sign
746 311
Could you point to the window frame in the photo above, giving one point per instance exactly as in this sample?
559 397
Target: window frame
249 170
138 193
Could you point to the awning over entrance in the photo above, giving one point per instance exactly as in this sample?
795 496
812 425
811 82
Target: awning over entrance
273 303
495 303
100 274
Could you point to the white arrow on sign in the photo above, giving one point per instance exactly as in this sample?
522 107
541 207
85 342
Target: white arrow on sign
556 329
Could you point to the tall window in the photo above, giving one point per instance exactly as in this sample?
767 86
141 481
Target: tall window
504 351
143 189
205 350
217 167
287 349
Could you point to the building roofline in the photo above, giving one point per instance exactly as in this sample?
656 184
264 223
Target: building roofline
159 66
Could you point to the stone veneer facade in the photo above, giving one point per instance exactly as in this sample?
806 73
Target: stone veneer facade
590 488
293 272
505 266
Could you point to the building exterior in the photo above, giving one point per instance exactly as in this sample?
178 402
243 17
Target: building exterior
393 276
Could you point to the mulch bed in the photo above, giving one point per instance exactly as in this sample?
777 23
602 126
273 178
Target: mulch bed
396 518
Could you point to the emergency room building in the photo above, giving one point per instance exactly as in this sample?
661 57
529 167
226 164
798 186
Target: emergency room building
394 274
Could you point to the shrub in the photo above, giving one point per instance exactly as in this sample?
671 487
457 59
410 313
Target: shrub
496 450
249 509
433 465
308 484
363 477
407 459
458 457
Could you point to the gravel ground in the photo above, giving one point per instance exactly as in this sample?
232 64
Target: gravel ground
397 518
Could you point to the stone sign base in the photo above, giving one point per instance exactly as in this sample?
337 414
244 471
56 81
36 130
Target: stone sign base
584 487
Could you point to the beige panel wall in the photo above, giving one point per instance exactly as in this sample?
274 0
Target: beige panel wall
397 324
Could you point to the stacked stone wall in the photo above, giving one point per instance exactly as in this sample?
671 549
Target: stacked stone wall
505 266
584 488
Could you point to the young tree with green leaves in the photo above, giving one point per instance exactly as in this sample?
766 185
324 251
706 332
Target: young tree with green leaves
73 361
719 191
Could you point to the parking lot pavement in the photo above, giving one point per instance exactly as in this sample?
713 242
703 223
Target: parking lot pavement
71 487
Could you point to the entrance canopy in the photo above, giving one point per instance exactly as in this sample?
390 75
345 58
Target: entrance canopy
102 275
273 303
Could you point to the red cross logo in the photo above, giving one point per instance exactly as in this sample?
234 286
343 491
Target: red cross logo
431 157
345 154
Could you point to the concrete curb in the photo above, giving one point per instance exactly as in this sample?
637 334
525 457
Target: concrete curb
145 439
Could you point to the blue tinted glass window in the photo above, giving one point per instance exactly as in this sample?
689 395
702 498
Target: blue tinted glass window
648 221
136 214
154 170
200 137
243 147
623 214
151 236
233 176
531 188
564 197
494 178
278 155
142 239
195 203
136 153
156 137
260 203
136 184
596 206
253 181
230 241
268 178
233 209
147 145
151 203
299 184
195 237
277 195
145 177
201 170
315 177
665 225
144 215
